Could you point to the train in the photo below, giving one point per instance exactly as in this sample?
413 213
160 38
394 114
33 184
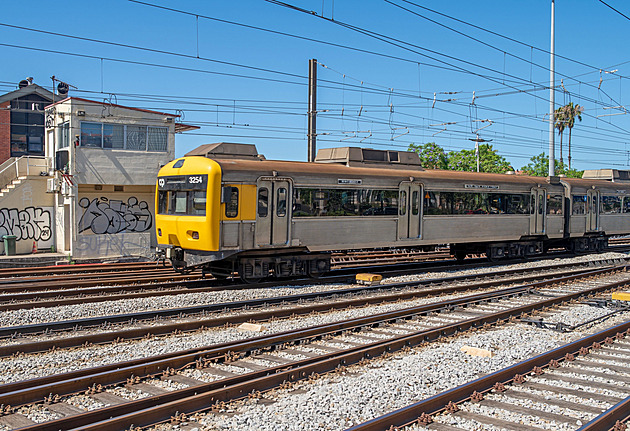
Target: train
228 210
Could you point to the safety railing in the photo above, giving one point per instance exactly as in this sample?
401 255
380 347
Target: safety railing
22 166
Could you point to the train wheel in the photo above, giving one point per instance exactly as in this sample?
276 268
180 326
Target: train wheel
460 255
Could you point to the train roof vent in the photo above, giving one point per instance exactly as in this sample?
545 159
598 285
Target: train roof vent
614 175
355 156
226 150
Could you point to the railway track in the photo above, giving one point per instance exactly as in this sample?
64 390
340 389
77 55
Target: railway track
148 323
582 385
205 378
19 293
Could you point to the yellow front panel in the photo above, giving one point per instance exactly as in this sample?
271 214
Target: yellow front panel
246 203
178 230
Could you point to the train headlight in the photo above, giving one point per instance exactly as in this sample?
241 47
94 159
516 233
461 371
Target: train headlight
159 232
195 235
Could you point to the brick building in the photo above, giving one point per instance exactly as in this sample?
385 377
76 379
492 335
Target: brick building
22 120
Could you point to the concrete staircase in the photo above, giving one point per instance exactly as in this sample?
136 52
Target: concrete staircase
16 170
14 183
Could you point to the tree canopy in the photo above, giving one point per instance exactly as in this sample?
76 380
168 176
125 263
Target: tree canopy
432 156
539 167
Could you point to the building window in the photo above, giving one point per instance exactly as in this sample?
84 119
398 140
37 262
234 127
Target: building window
124 137
27 133
64 135
157 138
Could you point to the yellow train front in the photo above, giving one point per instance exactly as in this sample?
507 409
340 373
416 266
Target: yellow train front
206 213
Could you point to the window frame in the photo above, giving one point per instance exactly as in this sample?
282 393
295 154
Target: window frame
145 130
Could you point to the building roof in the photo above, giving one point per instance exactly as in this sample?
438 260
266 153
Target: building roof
79 99
25 91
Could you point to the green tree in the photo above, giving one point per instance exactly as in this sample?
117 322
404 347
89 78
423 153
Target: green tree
539 167
571 112
560 123
432 156
489 160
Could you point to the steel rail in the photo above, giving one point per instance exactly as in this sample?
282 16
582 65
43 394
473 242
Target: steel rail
619 413
18 284
437 403
40 346
202 397
18 393
76 268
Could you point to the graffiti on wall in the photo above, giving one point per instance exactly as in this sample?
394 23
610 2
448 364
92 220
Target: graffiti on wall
30 223
124 244
102 215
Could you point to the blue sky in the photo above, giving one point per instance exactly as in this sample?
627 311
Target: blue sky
388 98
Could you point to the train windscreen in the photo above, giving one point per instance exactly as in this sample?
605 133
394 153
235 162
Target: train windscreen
182 195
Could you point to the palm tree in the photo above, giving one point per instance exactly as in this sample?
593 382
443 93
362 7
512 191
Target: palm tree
571 112
560 124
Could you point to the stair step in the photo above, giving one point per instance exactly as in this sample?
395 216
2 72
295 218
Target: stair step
21 178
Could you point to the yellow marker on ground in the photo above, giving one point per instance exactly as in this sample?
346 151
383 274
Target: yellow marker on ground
368 279
621 296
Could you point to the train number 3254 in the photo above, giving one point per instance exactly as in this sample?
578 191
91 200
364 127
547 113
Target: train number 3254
195 180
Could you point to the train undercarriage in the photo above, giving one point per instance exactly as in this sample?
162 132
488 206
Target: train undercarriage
253 266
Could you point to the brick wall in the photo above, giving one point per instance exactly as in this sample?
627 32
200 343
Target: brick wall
5 131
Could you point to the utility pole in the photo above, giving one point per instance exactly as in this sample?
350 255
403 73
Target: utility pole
552 84
312 108
476 141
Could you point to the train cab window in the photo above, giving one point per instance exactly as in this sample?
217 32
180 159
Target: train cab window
197 202
403 203
415 207
231 206
554 204
579 205
281 207
162 202
263 202
179 202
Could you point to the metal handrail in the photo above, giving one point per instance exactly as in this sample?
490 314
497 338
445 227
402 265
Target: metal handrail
6 177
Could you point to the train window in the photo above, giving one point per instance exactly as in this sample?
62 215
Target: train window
460 203
579 205
415 207
403 203
198 202
162 202
231 206
554 204
309 202
281 202
625 207
179 202
611 204
517 204
263 202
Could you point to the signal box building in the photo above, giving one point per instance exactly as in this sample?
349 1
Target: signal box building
105 158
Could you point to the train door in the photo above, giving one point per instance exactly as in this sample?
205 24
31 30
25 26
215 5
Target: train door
273 217
592 210
409 210
538 209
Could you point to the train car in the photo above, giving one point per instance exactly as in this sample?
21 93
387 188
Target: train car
226 209
598 209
